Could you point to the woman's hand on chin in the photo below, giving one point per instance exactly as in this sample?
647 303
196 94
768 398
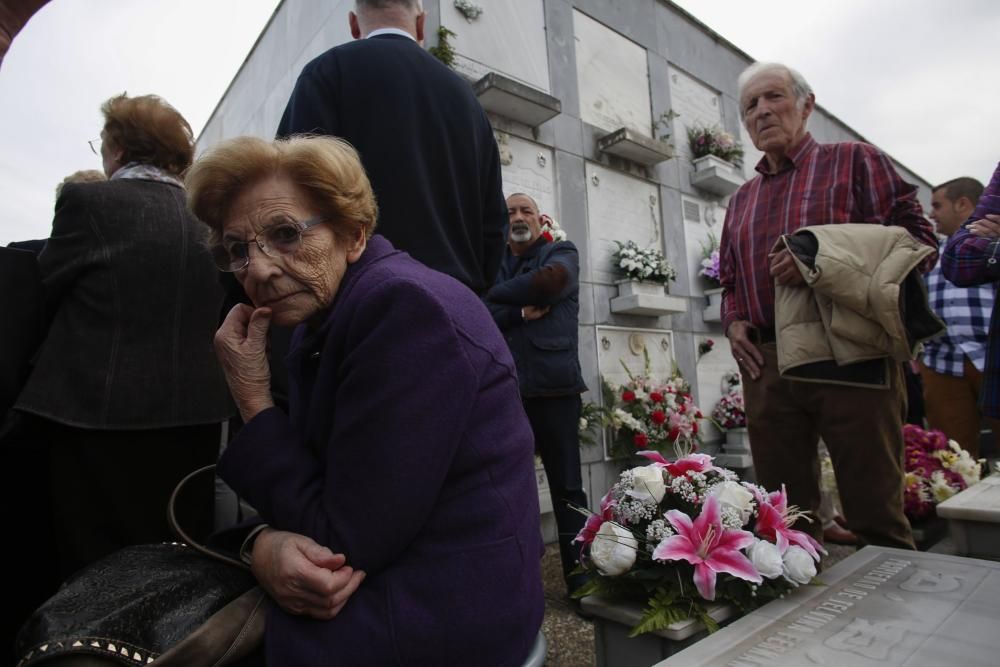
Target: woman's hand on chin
241 346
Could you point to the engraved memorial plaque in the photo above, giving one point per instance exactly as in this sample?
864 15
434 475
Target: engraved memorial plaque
878 607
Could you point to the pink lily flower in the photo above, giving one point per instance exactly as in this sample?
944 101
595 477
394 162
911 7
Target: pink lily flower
774 522
594 521
689 463
709 546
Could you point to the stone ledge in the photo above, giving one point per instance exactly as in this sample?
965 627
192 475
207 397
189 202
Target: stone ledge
511 99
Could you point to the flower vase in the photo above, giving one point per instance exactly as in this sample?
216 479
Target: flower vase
715 175
642 297
613 620
737 441
713 312
630 287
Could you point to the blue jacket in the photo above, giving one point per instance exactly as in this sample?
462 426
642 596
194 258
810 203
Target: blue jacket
545 350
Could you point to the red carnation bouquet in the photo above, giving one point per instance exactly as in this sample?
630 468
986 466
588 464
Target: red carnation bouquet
649 414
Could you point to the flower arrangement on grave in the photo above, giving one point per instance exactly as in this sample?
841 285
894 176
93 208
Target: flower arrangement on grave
710 262
646 414
635 263
936 469
591 420
713 140
678 535
705 346
551 229
729 411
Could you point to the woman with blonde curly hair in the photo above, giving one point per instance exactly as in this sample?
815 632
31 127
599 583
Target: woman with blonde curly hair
126 392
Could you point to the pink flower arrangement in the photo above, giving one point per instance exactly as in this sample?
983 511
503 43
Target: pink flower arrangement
713 140
710 262
936 469
729 411
680 534
649 414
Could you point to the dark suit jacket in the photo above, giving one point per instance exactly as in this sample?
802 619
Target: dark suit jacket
425 142
407 449
21 325
134 301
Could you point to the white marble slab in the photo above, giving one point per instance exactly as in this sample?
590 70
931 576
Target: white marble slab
613 77
979 502
974 519
711 368
878 607
508 37
695 103
620 208
529 168
702 219
617 345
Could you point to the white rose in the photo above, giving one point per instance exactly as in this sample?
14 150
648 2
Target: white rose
799 566
647 483
613 549
733 494
765 557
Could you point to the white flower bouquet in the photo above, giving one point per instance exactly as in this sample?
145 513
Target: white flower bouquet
637 263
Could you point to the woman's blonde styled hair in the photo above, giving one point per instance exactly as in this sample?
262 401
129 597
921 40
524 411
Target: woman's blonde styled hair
327 169
147 129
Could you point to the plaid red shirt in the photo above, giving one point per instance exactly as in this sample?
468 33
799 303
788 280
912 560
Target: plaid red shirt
818 184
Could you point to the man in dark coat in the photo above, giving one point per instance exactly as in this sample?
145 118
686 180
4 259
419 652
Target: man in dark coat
423 139
536 304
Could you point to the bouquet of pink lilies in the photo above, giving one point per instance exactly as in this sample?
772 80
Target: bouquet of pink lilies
682 534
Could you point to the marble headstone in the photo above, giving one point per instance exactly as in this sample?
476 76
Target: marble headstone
621 208
613 77
877 607
974 519
508 37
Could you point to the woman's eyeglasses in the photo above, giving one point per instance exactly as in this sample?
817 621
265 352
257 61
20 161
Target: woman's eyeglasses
95 145
282 238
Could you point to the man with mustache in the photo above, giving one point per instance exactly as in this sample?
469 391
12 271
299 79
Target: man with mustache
804 183
535 303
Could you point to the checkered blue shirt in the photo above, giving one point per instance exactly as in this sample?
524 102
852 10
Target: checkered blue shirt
966 311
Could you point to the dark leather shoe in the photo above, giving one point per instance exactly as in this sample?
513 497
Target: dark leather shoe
837 535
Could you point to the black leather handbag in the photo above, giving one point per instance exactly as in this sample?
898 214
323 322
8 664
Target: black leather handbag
175 603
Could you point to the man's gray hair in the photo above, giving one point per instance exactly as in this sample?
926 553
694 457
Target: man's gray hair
800 87
378 5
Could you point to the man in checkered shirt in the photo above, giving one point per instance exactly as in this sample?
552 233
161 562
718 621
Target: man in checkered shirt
952 365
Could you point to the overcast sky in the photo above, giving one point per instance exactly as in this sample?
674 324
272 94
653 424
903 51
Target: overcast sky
916 77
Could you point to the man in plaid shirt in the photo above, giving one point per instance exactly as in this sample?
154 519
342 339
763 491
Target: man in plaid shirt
801 183
972 257
952 367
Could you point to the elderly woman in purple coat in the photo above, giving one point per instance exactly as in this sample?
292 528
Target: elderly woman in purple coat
398 490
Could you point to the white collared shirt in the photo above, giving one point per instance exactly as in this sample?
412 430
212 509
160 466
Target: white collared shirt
389 31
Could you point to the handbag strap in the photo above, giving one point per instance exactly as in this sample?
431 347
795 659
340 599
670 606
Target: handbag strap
182 534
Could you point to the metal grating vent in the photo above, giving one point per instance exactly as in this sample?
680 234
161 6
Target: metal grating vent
692 212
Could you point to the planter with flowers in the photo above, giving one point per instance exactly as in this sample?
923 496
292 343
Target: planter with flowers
710 272
729 415
717 158
674 540
647 414
645 277
936 469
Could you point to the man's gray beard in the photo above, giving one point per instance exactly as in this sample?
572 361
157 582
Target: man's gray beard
520 236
